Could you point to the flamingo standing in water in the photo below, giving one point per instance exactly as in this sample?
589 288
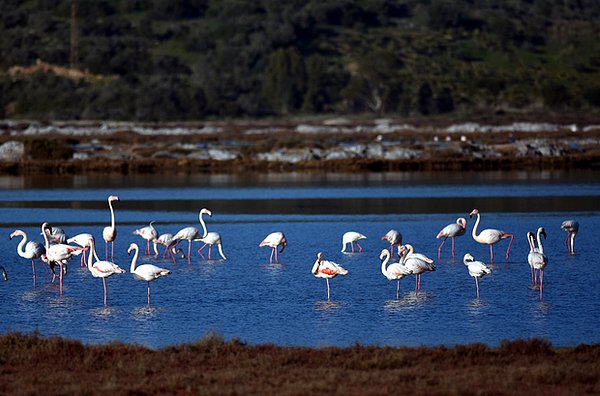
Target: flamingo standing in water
58 254
101 268
477 269
416 263
209 238
537 259
490 236
531 256
30 250
571 227
56 235
188 233
452 231
145 272
393 271
327 269
168 241
393 237
149 233
110 232
82 240
274 240
352 237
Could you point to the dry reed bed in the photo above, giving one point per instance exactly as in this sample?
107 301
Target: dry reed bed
31 364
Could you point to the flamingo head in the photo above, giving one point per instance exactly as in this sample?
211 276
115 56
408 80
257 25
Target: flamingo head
384 253
473 212
468 259
113 198
205 211
133 246
461 221
542 232
283 245
319 257
15 233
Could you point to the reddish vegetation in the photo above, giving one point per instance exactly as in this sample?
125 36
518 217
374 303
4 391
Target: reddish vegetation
30 364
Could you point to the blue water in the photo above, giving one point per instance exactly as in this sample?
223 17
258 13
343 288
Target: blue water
248 298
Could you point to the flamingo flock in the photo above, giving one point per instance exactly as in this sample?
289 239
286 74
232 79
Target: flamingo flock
58 250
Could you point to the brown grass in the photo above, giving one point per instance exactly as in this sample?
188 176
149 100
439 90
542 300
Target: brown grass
31 364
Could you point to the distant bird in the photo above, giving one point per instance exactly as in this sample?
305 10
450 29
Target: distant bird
209 238
82 240
571 227
149 233
393 271
393 237
537 260
327 269
416 263
4 274
452 231
101 268
477 269
490 236
145 272
168 241
352 237
29 250
274 240
110 232
58 254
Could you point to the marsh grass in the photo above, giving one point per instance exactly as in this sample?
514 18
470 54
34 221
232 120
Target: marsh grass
32 364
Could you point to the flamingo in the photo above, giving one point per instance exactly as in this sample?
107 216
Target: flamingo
101 268
145 272
452 230
82 240
110 232
274 240
490 236
149 233
531 256
58 254
209 238
393 271
352 237
29 250
327 269
477 269
4 274
188 233
169 243
539 260
56 235
416 263
394 238
571 227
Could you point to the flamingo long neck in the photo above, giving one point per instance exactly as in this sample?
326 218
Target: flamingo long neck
531 243
112 214
46 242
21 246
474 233
92 248
539 242
134 259
384 264
205 231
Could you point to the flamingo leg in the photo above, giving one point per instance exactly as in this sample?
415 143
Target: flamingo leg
359 247
60 277
112 251
491 253
352 246
189 250
512 237
452 247
33 270
541 283
271 257
200 251
572 243
104 283
440 248
328 293
148 293
398 290
477 285
106 250
276 255
209 251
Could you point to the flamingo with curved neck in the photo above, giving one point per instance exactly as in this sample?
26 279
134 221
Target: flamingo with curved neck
145 272
572 228
274 240
101 268
327 269
29 250
58 254
490 236
416 263
110 232
452 231
393 271
209 238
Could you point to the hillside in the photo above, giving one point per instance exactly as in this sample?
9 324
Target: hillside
196 59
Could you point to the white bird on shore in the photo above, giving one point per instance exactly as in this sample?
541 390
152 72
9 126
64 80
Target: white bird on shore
352 237
477 269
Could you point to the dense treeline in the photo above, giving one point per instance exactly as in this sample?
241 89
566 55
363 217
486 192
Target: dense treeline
190 59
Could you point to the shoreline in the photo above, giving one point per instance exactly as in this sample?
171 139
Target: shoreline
33 364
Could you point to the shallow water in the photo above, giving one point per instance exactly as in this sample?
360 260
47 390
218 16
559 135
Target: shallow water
248 298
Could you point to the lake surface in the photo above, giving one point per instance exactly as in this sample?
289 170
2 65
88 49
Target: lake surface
245 297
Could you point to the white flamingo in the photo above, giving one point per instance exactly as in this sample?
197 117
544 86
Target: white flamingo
452 231
29 250
490 236
572 228
531 255
393 237
148 233
209 238
352 237
393 271
82 240
109 234
477 269
56 235
189 234
539 261
274 240
168 241
327 269
145 272
416 263
58 254
101 268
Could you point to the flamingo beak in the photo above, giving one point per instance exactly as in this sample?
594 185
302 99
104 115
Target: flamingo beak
543 233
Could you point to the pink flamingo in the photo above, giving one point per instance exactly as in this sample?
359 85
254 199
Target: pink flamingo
110 232
416 263
572 228
352 237
452 231
101 268
82 240
209 238
477 269
30 250
393 271
145 272
274 240
393 237
327 269
149 233
58 254
188 233
490 236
